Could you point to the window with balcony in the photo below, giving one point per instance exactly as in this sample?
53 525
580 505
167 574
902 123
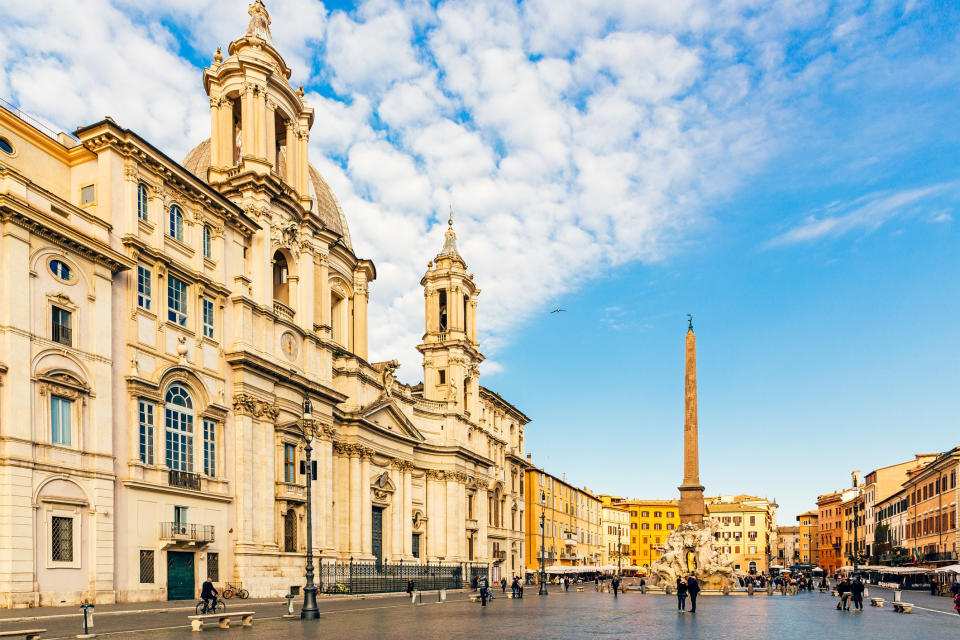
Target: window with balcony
178 421
60 326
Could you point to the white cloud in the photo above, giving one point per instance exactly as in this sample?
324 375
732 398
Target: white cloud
867 213
569 135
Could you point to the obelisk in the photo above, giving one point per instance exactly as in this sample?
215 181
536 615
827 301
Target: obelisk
691 491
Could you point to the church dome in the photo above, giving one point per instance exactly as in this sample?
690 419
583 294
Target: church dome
325 204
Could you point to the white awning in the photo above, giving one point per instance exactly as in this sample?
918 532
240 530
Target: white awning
953 568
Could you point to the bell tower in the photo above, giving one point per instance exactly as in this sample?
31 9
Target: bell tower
259 123
451 353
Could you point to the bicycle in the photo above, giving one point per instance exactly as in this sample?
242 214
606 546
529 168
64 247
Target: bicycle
229 591
218 606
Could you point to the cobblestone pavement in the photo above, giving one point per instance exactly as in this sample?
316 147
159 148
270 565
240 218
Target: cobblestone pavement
584 615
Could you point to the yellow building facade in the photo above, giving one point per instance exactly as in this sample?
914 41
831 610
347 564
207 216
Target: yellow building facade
746 530
651 521
572 534
616 535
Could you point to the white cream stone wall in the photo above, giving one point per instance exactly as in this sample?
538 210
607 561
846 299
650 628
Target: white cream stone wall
289 299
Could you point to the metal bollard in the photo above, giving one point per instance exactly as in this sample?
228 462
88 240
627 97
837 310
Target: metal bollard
289 598
87 610
441 595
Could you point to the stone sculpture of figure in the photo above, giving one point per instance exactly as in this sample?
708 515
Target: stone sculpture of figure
387 377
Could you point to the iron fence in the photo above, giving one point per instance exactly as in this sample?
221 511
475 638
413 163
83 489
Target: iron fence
383 577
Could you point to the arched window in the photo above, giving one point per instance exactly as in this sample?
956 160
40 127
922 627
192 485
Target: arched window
178 425
207 241
290 531
338 318
142 201
176 222
281 274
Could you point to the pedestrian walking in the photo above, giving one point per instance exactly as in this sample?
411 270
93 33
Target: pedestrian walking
484 590
681 595
503 585
693 588
843 590
857 590
643 585
410 587
514 586
615 585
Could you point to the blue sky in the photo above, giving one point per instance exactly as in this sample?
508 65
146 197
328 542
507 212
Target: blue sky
785 171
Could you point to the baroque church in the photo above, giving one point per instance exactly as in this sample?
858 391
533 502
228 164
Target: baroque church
162 325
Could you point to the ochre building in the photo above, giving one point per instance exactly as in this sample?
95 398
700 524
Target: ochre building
747 525
161 326
572 534
651 521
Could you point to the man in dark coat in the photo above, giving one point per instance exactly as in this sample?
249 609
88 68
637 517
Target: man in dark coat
857 590
693 588
843 590
208 593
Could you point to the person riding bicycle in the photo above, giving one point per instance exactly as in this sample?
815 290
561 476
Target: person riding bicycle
207 593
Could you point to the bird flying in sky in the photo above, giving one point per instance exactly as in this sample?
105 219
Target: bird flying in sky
557 310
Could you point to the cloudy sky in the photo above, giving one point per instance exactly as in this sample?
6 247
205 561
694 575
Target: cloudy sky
785 171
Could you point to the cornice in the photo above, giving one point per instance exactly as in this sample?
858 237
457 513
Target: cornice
63 235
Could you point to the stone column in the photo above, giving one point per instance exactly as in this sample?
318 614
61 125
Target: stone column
360 315
354 506
366 505
243 476
216 130
397 512
291 151
342 529
436 537
326 508
407 514
454 523
270 133
248 123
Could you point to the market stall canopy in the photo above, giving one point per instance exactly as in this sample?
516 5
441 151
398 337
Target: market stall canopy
953 568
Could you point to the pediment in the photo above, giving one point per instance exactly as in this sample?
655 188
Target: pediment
386 415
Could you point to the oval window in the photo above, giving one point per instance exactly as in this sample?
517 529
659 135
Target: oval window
5 146
60 269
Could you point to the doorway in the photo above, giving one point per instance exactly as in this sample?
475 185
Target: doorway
376 534
180 578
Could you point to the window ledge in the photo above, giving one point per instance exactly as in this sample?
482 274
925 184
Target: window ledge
179 244
179 327
146 226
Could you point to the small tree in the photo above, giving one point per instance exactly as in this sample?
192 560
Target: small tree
881 541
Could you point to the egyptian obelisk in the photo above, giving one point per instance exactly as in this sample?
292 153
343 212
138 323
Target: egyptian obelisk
691 491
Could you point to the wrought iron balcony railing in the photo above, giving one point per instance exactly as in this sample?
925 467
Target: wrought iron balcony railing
185 531
184 480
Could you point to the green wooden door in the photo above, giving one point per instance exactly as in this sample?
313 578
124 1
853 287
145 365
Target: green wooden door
180 585
376 535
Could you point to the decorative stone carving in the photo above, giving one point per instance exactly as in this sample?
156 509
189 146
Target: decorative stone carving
382 488
248 405
689 550
325 432
352 449
418 520
401 465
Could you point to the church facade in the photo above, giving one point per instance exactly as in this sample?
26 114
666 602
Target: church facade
162 324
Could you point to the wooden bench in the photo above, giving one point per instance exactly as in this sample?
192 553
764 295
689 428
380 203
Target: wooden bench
903 607
579 588
877 602
222 619
28 634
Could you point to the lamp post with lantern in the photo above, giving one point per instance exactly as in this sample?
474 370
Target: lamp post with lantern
309 610
543 532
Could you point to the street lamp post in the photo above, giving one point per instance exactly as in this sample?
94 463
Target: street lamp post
309 610
543 554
